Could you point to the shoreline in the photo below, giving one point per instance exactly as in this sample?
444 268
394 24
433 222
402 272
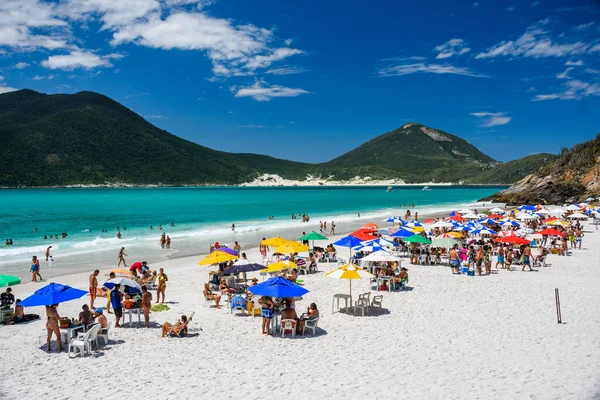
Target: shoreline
245 185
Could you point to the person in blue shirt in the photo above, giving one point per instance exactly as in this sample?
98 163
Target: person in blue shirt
115 300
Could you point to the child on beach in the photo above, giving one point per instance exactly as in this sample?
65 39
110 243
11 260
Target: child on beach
267 307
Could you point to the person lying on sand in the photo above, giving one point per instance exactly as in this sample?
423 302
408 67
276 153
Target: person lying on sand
179 329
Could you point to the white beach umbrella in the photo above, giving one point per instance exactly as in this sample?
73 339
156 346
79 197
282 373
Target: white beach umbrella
543 211
573 207
382 256
526 217
577 216
442 224
471 216
497 210
465 211
124 282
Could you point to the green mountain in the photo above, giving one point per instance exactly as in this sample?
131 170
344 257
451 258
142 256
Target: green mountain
573 176
87 138
512 171
417 153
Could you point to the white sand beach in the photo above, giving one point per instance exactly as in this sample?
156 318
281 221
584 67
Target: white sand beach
450 337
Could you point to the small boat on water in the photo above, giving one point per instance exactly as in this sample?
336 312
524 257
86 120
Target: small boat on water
390 189
427 188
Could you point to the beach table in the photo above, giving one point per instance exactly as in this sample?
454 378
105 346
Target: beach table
70 333
130 311
387 280
339 296
276 323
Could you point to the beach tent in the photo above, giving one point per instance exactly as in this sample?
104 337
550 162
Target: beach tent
53 293
278 287
9 280
350 272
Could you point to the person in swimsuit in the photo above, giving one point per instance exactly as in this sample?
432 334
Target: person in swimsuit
17 316
487 261
312 314
115 299
86 317
121 257
108 292
48 253
527 258
162 285
35 269
93 287
454 261
500 259
237 248
179 329
52 326
101 318
471 256
146 304
267 307
479 259
211 296
168 242
578 237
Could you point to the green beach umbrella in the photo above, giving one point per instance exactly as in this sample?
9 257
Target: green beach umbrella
313 236
9 280
417 239
444 242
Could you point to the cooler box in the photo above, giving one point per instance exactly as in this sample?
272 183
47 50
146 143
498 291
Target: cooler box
465 270
470 273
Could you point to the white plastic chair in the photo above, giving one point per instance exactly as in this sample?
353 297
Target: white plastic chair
104 335
311 324
377 302
93 335
288 325
82 344
362 305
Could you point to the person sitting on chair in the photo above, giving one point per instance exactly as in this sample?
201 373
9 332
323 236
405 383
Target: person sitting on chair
311 314
293 276
101 318
225 289
7 298
179 329
211 296
86 317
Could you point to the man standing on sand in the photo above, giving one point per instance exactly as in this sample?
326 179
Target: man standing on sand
115 300
48 253
454 262
93 287
146 304
332 231
578 237
111 276
121 257
527 258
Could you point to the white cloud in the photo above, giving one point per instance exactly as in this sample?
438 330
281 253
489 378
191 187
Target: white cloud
577 63
21 65
112 13
287 70
261 91
4 88
40 77
536 43
79 59
583 27
595 48
592 71
565 73
406 69
453 47
574 90
490 119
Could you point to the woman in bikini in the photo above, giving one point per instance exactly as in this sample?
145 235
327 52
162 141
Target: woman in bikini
52 326
162 285
179 329
267 307
211 296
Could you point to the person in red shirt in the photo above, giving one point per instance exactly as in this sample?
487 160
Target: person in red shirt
137 267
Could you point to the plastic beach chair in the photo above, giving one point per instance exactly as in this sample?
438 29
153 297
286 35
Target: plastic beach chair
311 324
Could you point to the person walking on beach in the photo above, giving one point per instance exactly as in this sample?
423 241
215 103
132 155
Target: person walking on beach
527 258
115 299
479 259
263 249
168 242
578 237
111 276
52 326
93 287
332 231
321 226
48 253
162 285
121 257
146 304
454 262
163 240
35 269
500 259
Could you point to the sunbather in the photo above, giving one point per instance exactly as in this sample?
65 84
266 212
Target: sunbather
311 314
179 329
211 296
17 316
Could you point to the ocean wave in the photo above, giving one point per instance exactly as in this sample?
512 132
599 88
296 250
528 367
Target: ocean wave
40 249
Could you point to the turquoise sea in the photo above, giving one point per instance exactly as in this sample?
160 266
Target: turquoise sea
200 215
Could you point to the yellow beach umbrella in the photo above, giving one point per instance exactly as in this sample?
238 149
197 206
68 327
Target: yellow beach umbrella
217 257
350 272
123 273
274 241
455 234
279 266
291 247
558 222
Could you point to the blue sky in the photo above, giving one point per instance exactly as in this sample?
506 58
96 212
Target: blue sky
309 80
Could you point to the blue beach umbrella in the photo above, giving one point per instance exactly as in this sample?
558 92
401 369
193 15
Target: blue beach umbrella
53 293
348 241
368 247
402 233
278 287
527 208
488 221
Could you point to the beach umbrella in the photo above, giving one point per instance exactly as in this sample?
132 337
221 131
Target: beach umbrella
573 207
380 256
510 224
471 216
349 241
494 216
370 226
280 266
455 234
217 257
278 287
488 221
456 218
53 293
465 211
291 247
133 286
350 272
577 216
429 221
551 232
274 241
445 242
442 224
417 239
243 266
382 242
526 208
9 280
227 250
313 236
414 224
485 231
368 247
120 272
497 210
402 233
